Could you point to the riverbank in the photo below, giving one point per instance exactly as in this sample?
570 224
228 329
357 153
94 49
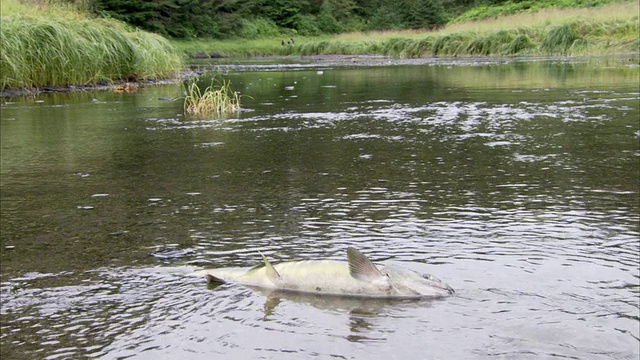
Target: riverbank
599 30
63 51
60 47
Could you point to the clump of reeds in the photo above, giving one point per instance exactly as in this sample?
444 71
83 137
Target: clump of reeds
155 57
561 39
212 101
519 45
451 44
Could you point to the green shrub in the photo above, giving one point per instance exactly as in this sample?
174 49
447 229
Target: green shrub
560 39
387 17
258 28
306 25
519 44
424 14
452 44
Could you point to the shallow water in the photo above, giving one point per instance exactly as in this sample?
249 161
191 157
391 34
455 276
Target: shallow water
516 182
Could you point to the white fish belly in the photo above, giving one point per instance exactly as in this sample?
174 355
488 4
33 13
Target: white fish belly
314 276
323 277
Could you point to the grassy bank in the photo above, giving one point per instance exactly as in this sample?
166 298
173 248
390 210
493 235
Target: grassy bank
612 28
54 45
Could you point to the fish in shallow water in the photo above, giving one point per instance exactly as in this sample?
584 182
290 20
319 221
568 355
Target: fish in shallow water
357 276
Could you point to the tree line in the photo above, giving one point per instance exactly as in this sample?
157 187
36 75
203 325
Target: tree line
221 19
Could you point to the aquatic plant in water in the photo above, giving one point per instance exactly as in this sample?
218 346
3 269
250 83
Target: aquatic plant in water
217 102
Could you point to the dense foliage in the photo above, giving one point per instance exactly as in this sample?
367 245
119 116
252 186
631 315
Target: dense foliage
259 18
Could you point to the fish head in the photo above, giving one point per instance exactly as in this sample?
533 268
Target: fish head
410 283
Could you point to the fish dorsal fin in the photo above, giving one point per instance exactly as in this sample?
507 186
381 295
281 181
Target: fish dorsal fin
361 267
272 273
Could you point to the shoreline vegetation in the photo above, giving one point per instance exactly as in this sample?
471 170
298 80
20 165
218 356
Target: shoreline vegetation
607 29
55 44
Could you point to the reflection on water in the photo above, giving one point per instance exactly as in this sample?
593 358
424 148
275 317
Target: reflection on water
517 184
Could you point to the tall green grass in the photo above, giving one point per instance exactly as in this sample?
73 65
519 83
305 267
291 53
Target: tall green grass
42 51
599 30
483 12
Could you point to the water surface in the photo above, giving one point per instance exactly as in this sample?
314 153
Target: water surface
516 182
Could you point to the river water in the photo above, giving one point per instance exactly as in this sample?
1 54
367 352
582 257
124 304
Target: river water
514 181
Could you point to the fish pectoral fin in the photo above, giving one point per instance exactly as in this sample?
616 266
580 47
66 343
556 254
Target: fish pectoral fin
360 267
272 273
